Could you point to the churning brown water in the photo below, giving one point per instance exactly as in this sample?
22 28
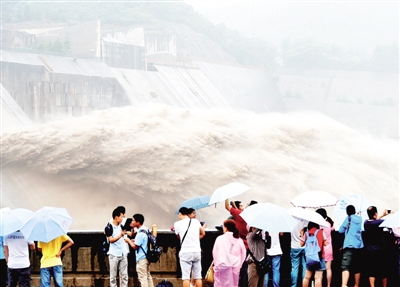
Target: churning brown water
152 158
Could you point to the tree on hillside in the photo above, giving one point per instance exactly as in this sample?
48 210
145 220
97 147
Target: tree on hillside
67 43
385 58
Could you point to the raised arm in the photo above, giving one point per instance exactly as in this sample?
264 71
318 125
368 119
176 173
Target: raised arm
385 212
227 206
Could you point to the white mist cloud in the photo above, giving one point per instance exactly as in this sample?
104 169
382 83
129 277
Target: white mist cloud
152 158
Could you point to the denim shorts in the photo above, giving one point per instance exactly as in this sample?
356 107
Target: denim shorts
189 261
322 267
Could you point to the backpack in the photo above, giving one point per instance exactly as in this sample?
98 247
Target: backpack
153 251
108 230
164 283
312 252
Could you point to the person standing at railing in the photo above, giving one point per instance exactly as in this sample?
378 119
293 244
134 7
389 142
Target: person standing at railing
375 247
328 249
228 255
51 264
117 254
352 245
16 252
140 244
189 232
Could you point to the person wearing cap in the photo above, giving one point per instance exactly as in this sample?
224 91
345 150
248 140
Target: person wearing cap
189 232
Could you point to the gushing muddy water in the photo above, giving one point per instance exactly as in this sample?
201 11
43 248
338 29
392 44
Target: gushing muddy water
151 158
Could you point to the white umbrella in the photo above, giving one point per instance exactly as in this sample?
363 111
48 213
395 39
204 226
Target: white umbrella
391 221
308 215
268 217
314 199
46 224
228 191
4 209
12 220
359 202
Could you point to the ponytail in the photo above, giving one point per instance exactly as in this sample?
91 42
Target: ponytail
322 212
329 220
231 226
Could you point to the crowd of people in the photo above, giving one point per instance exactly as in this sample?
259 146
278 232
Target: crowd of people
237 253
258 244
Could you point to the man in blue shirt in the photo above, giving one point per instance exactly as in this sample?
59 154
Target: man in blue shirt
117 254
351 227
140 244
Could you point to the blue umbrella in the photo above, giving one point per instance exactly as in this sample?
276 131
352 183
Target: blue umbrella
195 203
12 220
46 224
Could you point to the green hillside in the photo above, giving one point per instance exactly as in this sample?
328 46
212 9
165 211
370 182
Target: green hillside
305 53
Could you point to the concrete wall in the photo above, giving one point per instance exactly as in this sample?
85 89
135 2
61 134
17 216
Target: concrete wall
43 95
85 265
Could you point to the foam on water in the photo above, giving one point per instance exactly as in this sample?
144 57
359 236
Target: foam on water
151 158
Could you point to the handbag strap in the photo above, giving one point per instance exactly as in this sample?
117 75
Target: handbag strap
190 221
145 232
252 255
348 224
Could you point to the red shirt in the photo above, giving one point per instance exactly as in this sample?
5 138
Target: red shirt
241 225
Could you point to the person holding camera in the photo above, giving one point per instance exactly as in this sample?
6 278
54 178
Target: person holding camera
375 246
257 249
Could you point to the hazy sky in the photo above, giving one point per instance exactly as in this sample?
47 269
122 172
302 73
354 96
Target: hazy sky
349 24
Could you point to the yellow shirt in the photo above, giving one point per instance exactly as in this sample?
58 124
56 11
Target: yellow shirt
50 250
